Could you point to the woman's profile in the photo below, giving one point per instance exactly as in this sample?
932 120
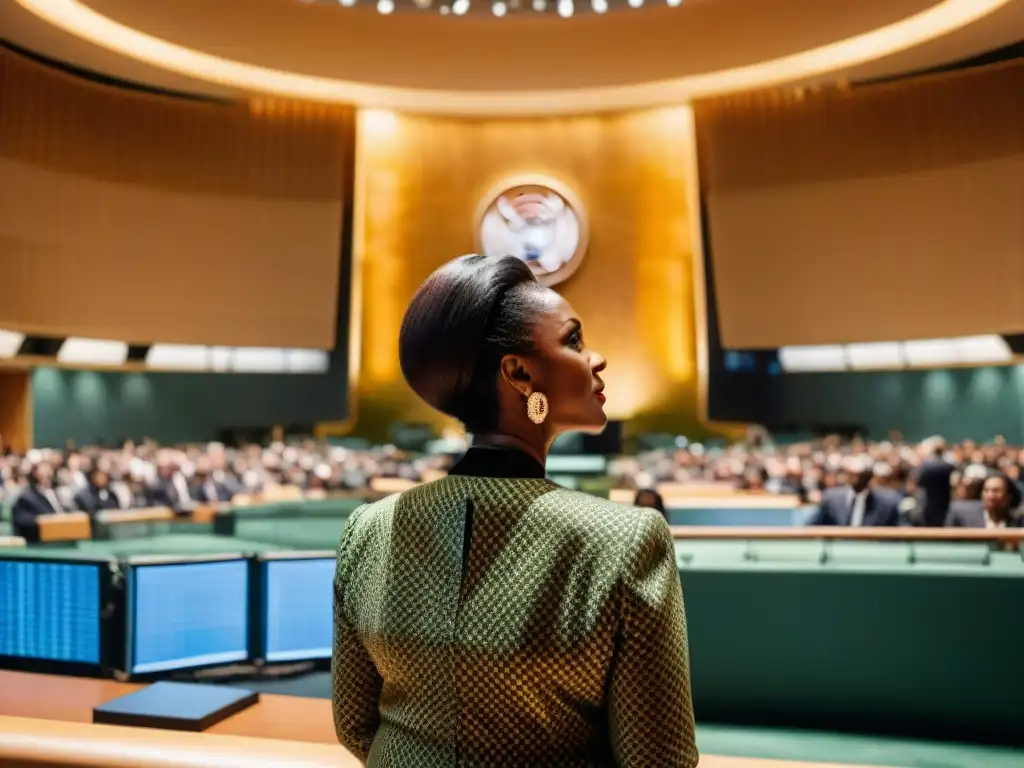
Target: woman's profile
492 618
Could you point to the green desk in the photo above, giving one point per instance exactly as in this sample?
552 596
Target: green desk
866 641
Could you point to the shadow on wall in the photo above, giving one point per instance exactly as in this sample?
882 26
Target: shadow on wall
110 406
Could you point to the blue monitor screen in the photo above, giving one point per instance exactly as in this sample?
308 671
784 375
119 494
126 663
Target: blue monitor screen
50 611
188 615
298 612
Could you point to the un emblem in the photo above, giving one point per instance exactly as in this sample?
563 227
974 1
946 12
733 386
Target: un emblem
538 220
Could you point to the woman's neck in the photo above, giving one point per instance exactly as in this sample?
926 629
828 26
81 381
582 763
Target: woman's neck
531 448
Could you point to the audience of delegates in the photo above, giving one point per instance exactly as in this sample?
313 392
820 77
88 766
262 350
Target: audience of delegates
853 482
924 481
93 479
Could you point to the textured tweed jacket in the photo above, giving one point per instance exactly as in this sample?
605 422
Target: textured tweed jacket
504 621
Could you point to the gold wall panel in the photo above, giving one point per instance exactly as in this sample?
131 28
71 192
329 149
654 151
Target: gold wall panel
419 184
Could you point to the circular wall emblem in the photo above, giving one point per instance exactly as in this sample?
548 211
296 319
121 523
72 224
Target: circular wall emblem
538 220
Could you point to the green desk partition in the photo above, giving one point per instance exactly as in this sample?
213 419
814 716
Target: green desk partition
916 648
292 525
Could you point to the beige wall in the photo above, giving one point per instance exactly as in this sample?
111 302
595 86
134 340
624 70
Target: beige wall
419 182
878 213
144 218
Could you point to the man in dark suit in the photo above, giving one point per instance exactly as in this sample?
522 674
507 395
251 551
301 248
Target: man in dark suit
932 480
206 488
170 489
38 498
857 504
96 494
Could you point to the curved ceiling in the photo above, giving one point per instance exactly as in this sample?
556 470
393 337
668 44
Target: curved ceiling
522 64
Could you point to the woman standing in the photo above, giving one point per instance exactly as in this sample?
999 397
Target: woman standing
492 618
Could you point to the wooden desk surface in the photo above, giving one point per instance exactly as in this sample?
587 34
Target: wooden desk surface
285 718
71 699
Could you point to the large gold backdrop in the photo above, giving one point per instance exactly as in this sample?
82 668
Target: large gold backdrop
419 183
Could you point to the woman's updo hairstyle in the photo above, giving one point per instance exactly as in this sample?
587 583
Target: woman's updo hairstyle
463 319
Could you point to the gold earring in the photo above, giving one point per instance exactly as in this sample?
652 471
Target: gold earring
537 407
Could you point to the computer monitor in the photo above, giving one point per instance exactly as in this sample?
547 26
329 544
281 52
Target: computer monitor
186 613
297 606
51 614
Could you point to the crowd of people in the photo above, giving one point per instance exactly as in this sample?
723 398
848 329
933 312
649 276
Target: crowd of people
95 478
855 482
852 482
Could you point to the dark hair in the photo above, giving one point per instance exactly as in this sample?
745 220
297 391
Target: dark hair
1013 490
462 320
657 502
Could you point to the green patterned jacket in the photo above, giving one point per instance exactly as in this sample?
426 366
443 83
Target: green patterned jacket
485 621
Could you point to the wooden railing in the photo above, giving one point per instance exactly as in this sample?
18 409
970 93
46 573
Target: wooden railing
76 526
29 743
821 532
26 742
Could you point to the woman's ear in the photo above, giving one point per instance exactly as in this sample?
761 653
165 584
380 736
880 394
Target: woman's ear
515 373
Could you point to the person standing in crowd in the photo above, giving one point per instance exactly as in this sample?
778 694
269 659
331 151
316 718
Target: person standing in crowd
857 503
933 483
492 617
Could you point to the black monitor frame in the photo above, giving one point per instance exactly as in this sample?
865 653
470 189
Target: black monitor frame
126 633
261 595
108 597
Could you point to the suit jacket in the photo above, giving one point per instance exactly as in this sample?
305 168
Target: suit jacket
92 500
504 621
881 507
164 493
933 491
971 514
210 491
29 505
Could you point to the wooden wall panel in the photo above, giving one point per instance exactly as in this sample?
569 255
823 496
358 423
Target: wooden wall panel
880 213
15 410
130 216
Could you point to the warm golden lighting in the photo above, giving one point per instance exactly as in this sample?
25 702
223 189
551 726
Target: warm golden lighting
634 289
75 17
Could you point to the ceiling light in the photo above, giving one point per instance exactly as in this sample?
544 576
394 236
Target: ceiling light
10 343
831 357
459 7
565 8
385 6
674 3
79 18
93 352
599 6
499 9
347 3
444 10
421 4
540 5
635 3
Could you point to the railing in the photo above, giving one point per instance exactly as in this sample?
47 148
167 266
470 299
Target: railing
820 532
